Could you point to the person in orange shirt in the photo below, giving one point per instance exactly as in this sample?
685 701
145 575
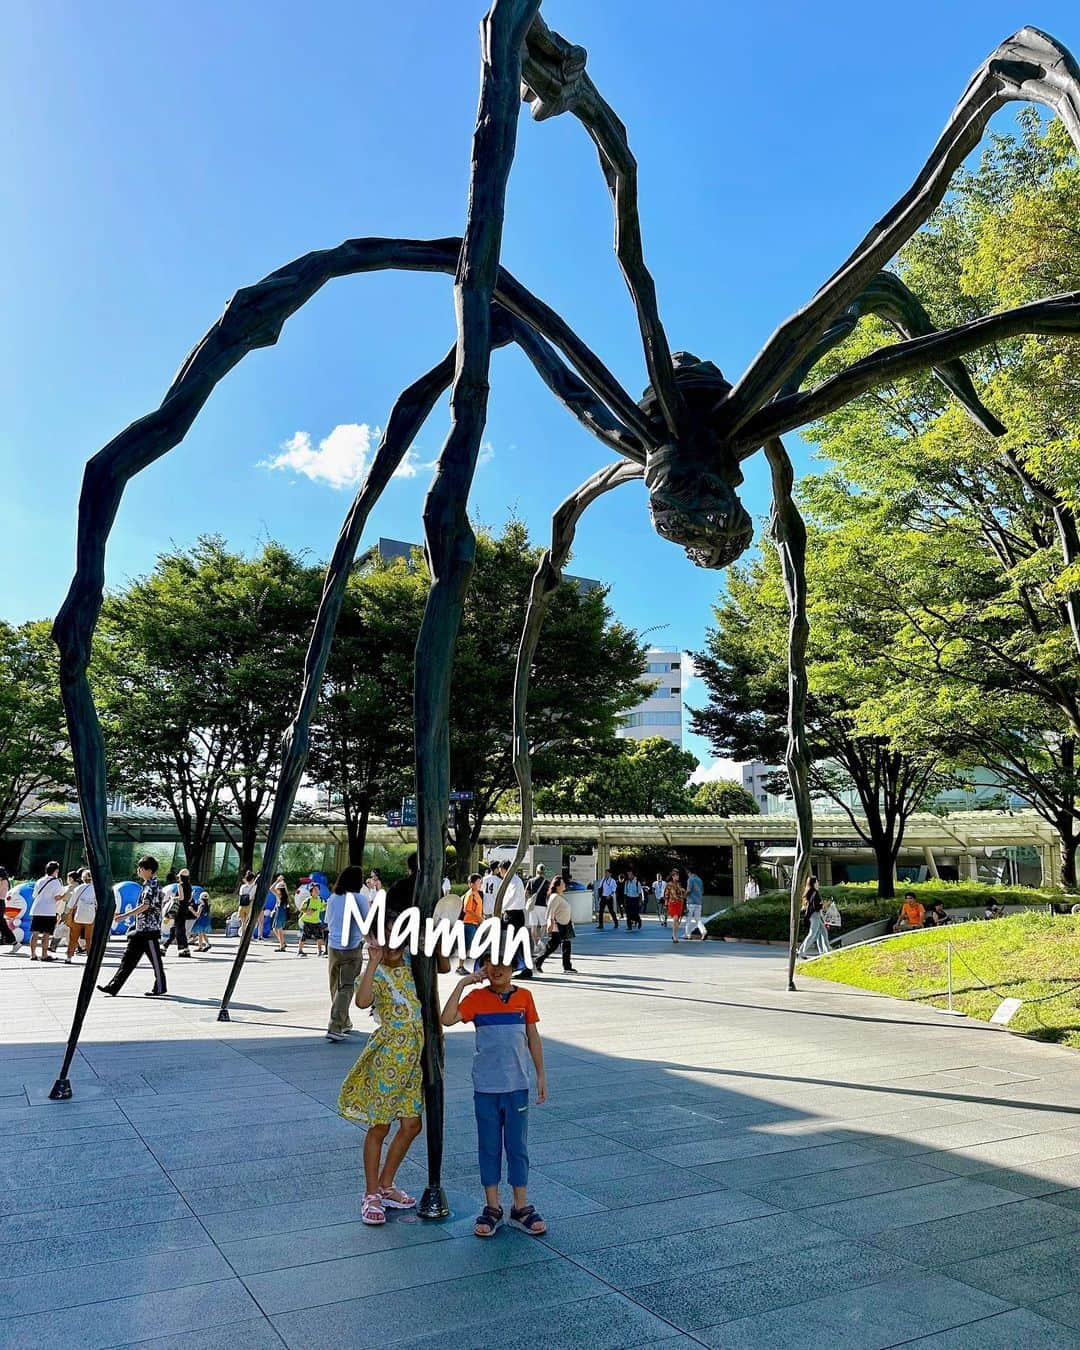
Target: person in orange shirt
912 914
472 914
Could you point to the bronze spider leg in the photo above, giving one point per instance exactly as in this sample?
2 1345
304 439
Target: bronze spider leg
555 81
255 318
1029 66
890 299
545 582
450 542
788 532
1058 316
409 413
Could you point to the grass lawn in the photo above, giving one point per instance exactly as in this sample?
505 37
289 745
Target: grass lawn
1026 956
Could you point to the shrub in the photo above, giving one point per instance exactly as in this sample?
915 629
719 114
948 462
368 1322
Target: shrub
767 916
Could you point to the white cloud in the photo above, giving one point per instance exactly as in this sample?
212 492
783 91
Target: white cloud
341 459
717 768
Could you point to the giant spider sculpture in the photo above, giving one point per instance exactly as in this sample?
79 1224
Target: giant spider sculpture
687 436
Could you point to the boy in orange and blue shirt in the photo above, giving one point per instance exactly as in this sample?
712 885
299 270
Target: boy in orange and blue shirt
505 1019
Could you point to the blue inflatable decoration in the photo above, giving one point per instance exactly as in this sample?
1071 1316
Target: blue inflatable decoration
127 897
17 909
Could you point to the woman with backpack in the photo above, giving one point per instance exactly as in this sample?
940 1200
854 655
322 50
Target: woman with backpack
812 907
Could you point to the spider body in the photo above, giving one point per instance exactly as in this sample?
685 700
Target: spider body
692 480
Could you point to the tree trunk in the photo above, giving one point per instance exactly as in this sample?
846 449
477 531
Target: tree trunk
885 845
357 814
1068 841
463 832
249 833
195 852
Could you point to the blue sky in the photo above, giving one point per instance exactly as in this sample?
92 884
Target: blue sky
159 157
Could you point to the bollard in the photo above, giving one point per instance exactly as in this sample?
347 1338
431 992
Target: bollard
950 1011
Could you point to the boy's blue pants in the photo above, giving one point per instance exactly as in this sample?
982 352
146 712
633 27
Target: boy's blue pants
502 1122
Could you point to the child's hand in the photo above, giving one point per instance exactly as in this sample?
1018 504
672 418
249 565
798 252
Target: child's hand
375 953
541 1090
473 977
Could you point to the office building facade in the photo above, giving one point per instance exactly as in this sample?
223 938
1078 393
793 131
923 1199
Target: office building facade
661 714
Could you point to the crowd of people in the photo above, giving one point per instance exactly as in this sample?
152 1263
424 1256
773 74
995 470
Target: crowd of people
678 899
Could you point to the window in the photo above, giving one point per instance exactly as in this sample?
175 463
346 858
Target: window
652 719
657 668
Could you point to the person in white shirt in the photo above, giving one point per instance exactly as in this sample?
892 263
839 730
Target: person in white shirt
248 887
82 911
446 886
513 909
753 890
489 888
43 909
659 886
608 889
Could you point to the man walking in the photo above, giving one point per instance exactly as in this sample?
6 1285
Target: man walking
513 910
607 900
695 895
659 888
632 900
346 950
145 938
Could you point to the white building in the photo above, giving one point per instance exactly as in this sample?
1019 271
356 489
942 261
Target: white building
754 777
661 713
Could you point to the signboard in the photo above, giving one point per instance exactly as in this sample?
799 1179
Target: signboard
582 869
1006 1011
408 810
393 818
461 796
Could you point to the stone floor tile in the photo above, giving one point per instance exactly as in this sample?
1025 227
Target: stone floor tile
920 1204
1019 1329
1035 1271
388 1271
361 1322
92 1326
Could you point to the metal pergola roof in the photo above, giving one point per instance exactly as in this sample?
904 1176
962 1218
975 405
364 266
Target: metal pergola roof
964 831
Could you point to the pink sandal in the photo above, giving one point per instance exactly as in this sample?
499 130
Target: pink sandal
393 1198
371 1210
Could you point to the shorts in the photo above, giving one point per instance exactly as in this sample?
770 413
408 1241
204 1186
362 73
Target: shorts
43 923
311 930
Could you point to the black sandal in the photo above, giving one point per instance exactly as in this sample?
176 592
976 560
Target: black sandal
488 1222
528 1221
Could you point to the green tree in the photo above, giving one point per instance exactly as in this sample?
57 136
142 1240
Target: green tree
35 759
725 797
648 777
863 738
587 672
362 734
961 547
197 670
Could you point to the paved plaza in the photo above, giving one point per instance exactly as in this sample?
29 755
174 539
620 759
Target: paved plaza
720 1163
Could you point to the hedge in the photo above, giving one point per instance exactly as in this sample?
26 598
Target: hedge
766 918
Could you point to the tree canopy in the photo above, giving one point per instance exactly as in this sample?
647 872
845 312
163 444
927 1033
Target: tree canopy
35 759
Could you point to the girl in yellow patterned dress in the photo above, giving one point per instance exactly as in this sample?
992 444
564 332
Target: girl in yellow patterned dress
386 1084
